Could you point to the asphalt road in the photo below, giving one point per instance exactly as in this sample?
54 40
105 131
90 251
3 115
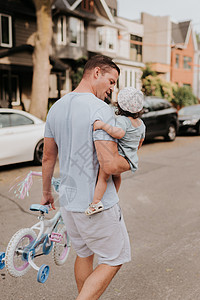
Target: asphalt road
161 206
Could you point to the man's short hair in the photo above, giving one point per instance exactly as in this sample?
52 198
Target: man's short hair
103 62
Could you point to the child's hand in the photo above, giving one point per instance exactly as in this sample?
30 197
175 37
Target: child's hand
98 125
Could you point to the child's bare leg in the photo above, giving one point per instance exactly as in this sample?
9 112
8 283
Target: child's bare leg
96 205
117 181
100 186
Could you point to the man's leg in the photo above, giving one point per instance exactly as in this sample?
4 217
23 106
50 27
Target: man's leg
97 282
83 268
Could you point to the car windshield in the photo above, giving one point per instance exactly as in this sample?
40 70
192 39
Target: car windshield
190 110
154 104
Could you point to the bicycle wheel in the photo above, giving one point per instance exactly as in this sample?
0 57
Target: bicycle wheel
16 259
43 274
2 260
61 250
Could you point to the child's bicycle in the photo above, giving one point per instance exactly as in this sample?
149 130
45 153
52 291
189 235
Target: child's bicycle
25 244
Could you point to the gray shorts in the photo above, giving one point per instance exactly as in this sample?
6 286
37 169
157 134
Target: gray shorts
103 234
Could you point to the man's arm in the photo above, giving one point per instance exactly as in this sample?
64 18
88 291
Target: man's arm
115 132
50 153
109 159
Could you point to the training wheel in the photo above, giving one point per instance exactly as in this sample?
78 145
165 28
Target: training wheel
2 260
43 273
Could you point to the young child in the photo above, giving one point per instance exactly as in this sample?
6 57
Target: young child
130 132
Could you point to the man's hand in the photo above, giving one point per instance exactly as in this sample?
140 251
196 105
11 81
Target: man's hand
47 199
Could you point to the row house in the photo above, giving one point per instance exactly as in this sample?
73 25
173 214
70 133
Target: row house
196 88
17 27
17 32
170 48
183 54
130 53
81 28
85 28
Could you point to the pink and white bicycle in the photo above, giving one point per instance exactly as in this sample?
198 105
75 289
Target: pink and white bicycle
26 245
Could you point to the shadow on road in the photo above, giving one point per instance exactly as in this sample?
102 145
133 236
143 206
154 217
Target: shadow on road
17 166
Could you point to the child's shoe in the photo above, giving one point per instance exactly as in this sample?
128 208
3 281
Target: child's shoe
94 208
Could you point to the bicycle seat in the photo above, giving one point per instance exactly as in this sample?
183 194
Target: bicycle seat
38 207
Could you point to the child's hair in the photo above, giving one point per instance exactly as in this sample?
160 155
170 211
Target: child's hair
125 113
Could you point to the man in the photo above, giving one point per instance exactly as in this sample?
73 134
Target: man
69 133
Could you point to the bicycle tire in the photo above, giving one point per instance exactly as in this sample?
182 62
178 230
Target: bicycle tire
61 250
14 252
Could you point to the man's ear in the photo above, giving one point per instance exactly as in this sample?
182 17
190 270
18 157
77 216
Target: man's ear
97 71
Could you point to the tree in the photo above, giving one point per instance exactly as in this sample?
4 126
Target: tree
183 96
41 64
77 71
153 85
148 71
198 37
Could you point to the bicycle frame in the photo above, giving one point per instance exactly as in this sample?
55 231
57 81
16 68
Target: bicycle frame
25 243
45 228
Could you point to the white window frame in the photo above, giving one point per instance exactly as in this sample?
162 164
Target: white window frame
17 101
111 34
187 60
107 35
62 30
129 78
79 31
100 32
10 31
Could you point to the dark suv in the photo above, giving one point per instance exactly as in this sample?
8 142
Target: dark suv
160 118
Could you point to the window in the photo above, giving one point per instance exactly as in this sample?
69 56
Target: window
74 31
187 85
126 77
19 120
155 104
110 39
62 31
100 38
4 120
136 47
87 5
13 119
187 62
113 11
129 78
106 39
70 31
177 61
5 31
15 95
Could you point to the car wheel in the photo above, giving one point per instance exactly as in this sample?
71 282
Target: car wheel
171 133
38 152
198 129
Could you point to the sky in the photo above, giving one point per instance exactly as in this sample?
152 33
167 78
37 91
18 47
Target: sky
178 10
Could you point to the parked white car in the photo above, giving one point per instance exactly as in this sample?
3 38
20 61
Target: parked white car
21 137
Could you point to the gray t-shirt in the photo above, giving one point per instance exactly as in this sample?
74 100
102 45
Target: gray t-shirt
70 122
128 145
